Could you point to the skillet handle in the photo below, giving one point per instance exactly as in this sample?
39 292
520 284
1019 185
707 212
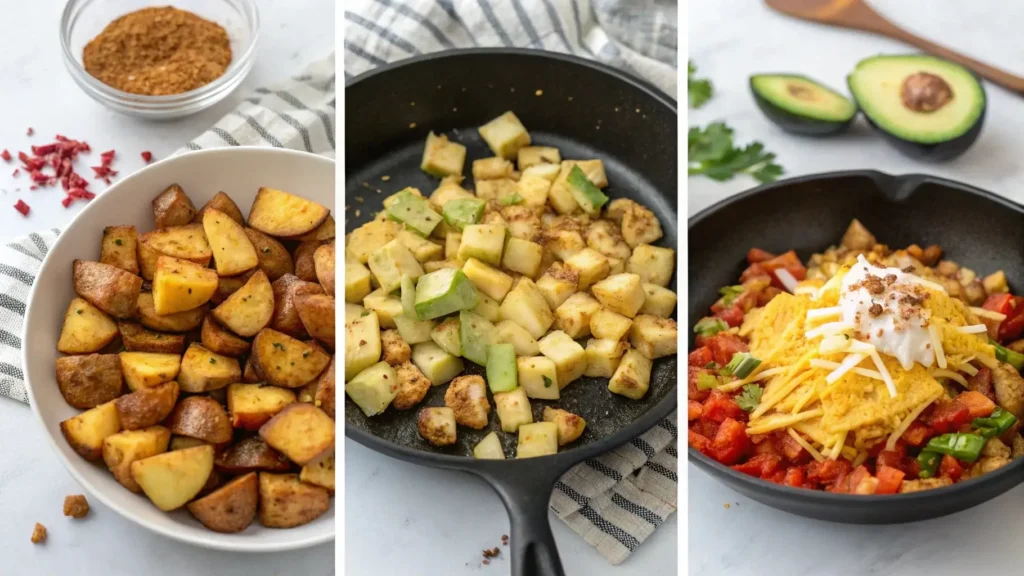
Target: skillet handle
531 543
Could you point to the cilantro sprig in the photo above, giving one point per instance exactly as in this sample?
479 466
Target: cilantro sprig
712 153
699 89
750 397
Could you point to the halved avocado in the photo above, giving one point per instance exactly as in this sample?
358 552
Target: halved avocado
928 108
800 105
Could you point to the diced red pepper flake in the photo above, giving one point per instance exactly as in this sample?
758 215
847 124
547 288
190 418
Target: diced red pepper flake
33 187
147 156
107 157
16 172
67 201
22 207
30 131
6 155
103 171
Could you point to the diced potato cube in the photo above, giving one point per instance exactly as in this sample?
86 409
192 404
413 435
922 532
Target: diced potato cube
449 189
534 190
558 283
654 337
451 245
537 439
569 357
495 219
622 293
533 155
374 388
616 266
436 364
562 243
412 330
395 350
538 376
436 425
659 301
391 262
422 249
592 169
639 225
495 189
995 283
490 281
357 281
397 195
487 307
505 135
362 345
653 264
560 197
442 157
489 448
513 409
491 168
522 256
435 265
609 325
523 221
385 305
546 171
574 315
508 332
446 335
633 376
591 266
354 312
370 237
603 357
570 426
525 305
484 242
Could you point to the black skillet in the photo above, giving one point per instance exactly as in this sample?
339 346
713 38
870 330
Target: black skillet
976 228
588 111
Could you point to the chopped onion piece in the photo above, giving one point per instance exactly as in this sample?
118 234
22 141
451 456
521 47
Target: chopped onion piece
940 354
973 329
786 278
829 328
830 312
988 313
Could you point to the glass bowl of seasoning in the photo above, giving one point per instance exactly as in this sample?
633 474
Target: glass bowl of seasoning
159 62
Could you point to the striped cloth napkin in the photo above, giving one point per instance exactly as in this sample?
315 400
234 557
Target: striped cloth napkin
615 501
298 114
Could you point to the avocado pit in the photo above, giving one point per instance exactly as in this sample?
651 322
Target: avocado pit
925 92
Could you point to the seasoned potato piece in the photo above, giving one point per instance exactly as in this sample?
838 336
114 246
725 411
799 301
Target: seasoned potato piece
534 189
233 252
522 256
412 386
639 225
179 322
372 236
123 448
437 425
467 397
173 208
119 248
323 263
653 264
88 381
138 339
508 332
286 318
147 406
654 337
148 369
489 448
321 233
569 357
251 375
491 168
621 293
86 431
173 478
86 329
251 405
633 376
538 377
273 257
442 157
300 431
505 135
107 287
203 370
492 282
251 454
358 282
362 344
320 473
220 340
395 350
325 396
575 314
570 426
250 308
533 155
606 237
659 301
228 286
558 283
281 214
525 305
513 409
230 508
305 261
180 285
537 439
317 314
609 325
223 203
591 266
285 361
183 242
603 356
200 417
287 502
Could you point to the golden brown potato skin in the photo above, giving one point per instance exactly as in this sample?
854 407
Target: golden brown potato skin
316 311
251 405
228 285
286 502
281 214
107 287
305 264
324 395
173 208
139 339
89 380
118 248
220 340
285 361
300 431
323 262
252 454
178 322
230 508
274 258
286 318
200 417
251 373
225 204
147 406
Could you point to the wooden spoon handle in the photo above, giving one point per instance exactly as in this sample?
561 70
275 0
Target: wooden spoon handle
991 73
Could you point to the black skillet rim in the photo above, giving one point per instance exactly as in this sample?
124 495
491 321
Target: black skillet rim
715 468
648 419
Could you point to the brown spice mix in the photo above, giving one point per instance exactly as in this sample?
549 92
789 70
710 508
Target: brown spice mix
158 51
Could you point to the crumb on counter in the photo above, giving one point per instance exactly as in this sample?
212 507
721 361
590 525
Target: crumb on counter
39 534
412 124
538 93
385 178
76 506
726 505
504 539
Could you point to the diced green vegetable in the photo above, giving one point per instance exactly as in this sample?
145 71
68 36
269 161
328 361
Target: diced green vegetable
510 199
586 194
929 463
415 212
710 326
750 398
742 364
442 292
476 333
1003 354
996 424
413 331
707 381
966 447
462 212
409 298
729 294
501 368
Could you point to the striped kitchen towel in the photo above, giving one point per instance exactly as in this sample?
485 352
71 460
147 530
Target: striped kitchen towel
616 500
297 114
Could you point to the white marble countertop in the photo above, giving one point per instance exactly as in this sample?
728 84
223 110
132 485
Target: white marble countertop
38 92
731 39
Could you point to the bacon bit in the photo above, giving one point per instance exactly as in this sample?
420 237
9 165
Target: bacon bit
22 207
107 157
16 172
67 201
30 131
104 171
147 156
5 155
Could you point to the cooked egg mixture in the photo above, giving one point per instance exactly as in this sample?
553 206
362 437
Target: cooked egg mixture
854 362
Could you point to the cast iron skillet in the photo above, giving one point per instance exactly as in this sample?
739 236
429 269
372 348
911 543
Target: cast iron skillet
587 110
976 228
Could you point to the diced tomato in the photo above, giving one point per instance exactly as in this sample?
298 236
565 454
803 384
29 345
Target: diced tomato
705 428
889 458
701 357
733 315
720 406
790 448
723 346
978 405
947 416
692 391
862 482
790 261
766 448
765 296
1001 303
757 255
756 439
778 477
918 434
1013 326
756 270
889 480
694 409
698 441
730 443
982 382
760 466
951 468
795 477
827 472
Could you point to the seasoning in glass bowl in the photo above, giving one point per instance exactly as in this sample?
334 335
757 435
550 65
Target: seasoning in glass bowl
158 52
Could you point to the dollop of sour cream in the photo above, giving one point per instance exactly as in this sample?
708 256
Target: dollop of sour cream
885 306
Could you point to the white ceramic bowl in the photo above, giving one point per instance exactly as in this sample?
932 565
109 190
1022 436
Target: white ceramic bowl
239 172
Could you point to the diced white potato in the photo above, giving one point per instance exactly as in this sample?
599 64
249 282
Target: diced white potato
508 332
487 307
385 305
412 330
370 237
639 225
605 237
522 221
436 364
592 169
538 377
485 242
513 409
392 261
525 305
546 171
537 439
357 281
609 325
562 243
446 335
491 168
505 135
560 197
395 351
533 189
575 314
489 448
659 301
495 219
495 189
467 397
570 426
616 266
394 197
633 376
374 388
522 256
436 424
451 245
353 312
603 356
653 264
653 336
435 265
491 281
622 293
362 345
534 155
449 189
591 266
569 357
558 283
422 249
442 157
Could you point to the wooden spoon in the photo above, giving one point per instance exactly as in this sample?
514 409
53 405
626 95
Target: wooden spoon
856 14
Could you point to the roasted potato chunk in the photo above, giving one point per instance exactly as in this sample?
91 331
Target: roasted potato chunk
323 264
86 431
570 426
107 287
222 341
250 309
147 369
88 381
322 232
320 473
147 406
412 386
281 214
285 361
286 318
200 417
138 339
252 405
180 285
437 425
173 208
467 397
183 242
317 314
305 261
172 479
178 322
223 203
119 248
233 252
203 370
395 350
302 432
273 257
252 454
86 329
286 502
123 448
325 393
230 508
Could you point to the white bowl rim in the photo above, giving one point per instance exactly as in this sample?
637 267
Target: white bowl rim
241 545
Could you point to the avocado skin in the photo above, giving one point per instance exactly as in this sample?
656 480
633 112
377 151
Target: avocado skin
796 124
